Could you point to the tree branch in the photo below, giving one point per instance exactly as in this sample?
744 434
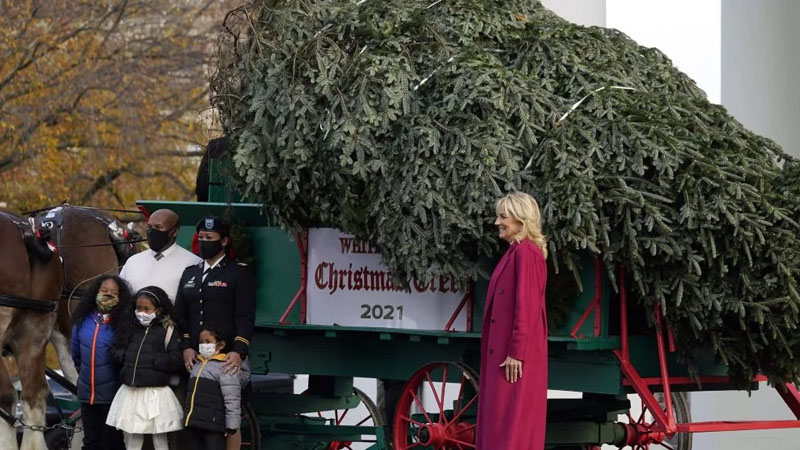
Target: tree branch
103 181
182 154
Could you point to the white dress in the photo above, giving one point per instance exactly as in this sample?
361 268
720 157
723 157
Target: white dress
145 410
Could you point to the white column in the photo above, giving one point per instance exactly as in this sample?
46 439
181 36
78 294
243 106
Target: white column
761 67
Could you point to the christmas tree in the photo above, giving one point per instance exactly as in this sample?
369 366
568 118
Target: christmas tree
403 121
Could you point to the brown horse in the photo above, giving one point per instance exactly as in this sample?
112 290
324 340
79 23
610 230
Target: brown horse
86 243
25 274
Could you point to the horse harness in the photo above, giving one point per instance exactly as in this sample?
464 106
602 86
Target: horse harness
22 302
42 229
122 239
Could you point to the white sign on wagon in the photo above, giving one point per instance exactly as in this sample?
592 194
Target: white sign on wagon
347 285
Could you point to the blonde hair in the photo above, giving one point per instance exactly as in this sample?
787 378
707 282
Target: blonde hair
523 207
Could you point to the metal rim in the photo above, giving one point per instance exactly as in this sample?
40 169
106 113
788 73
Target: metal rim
339 416
251 439
439 427
643 434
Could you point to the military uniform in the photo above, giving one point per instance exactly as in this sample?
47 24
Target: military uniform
225 298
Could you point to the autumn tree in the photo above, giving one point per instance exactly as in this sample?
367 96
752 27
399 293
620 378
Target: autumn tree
103 102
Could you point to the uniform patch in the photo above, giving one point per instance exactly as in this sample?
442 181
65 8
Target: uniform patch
190 283
218 284
209 223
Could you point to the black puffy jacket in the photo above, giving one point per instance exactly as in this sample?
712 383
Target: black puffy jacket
146 361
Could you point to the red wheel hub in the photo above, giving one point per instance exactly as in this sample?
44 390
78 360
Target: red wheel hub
438 435
433 434
464 432
642 435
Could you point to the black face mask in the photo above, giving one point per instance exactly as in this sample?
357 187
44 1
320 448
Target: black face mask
157 239
210 249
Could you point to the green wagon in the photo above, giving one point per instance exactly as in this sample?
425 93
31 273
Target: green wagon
429 376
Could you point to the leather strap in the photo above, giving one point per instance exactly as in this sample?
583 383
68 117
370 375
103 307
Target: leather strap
29 304
170 329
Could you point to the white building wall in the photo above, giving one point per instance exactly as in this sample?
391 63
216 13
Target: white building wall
760 71
687 31
761 67
582 12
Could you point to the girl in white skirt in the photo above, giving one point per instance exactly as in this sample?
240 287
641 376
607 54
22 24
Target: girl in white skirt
148 350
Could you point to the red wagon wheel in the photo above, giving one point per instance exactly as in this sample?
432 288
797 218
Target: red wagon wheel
437 409
251 432
642 434
368 416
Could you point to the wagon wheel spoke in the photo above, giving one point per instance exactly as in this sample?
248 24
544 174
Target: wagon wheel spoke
362 421
408 419
419 405
439 403
341 418
470 427
444 388
679 441
460 394
454 429
642 415
466 407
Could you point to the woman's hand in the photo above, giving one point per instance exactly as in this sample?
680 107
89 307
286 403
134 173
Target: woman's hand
513 369
233 361
189 358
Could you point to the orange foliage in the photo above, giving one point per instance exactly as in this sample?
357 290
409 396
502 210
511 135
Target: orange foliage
103 102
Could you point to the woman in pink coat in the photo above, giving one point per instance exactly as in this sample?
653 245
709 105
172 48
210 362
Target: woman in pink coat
512 401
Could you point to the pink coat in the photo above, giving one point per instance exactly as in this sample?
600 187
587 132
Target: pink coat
513 416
